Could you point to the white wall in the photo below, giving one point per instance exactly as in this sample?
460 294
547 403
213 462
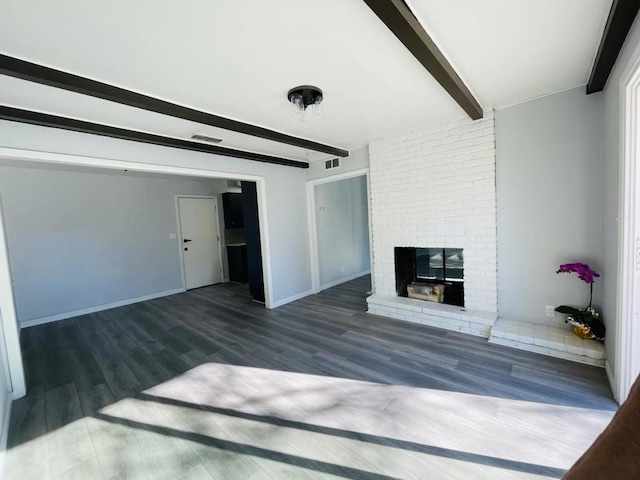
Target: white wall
285 190
79 240
549 184
435 187
629 54
357 160
342 229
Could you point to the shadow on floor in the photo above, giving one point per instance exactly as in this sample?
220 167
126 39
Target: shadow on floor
80 371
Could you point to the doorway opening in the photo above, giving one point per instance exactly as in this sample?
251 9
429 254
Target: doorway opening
124 218
627 341
242 251
339 228
219 238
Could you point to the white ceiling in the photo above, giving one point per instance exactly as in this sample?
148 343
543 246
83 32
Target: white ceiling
508 51
239 58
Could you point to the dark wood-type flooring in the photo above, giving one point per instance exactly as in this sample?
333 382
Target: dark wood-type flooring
206 384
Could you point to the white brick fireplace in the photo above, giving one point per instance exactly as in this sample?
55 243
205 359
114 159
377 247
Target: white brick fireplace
436 187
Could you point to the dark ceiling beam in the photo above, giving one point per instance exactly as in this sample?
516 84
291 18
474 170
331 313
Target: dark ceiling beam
397 16
33 72
64 123
621 17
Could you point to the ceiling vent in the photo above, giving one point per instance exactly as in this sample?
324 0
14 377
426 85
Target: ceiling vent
329 164
204 138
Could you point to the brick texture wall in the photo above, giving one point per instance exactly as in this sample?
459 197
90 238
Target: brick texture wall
436 187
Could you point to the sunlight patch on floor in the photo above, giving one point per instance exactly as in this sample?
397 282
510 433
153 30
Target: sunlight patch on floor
445 432
294 443
225 421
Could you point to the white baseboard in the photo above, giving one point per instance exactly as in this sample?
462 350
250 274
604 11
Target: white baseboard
612 380
344 280
4 433
99 308
284 301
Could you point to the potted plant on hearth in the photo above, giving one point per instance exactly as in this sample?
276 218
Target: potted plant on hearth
586 322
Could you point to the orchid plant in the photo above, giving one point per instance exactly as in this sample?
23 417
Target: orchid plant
587 319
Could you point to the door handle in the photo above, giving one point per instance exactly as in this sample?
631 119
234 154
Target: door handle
186 240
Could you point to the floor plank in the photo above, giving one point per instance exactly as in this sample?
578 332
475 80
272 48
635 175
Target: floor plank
208 385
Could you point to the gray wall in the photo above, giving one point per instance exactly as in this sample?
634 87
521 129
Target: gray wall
286 206
550 195
343 229
357 160
612 169
79 240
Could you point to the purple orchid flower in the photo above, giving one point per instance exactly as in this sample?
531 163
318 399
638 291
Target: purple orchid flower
585 273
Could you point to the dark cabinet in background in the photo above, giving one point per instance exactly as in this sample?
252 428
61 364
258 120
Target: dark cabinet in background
252 237
245 259
233 210
237 257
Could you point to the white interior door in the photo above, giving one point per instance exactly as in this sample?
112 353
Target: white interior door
200 241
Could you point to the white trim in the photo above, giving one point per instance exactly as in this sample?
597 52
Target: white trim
5 361
265 246
371 264
66 159
99 308
344 280
342 176
183 275
8 153
6 364
4 433
314 255
8 316
293 298
180 243
313 239
627 356
610 376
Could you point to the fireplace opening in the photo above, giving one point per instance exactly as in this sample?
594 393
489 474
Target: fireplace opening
430 274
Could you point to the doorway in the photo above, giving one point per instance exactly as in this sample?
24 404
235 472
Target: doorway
199 241
8 315
627 330
339 232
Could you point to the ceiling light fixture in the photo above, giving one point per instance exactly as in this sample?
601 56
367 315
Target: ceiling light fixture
303 97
